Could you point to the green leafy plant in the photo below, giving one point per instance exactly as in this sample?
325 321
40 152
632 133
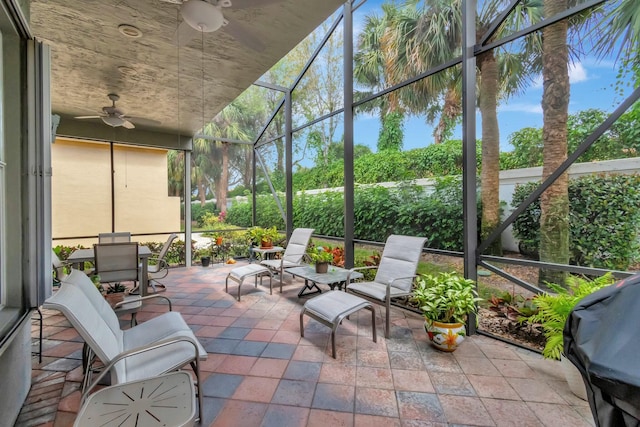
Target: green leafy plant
95 278
257 235
445 297
319 254
597 205
554 309
513 307
116 288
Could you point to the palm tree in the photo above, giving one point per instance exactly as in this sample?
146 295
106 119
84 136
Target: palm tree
420 36
554 202
227 124
175 172
619 29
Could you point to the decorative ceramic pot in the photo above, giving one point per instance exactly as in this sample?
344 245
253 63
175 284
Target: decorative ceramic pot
574 378
445 336
266 244
322 267
205 260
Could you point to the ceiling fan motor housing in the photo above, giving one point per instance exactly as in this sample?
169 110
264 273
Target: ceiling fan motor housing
202 16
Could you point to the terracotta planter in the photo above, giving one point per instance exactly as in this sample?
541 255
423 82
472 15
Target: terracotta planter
445 336
114 298
322 267
266 244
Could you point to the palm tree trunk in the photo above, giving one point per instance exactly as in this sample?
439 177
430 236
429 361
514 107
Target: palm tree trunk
490 176
554 202
223 182
450 111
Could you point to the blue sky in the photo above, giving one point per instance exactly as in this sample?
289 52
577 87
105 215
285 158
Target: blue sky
591 87
591 79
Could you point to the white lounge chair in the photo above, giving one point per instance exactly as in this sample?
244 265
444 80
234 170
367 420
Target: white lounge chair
394 278
162 344
293 254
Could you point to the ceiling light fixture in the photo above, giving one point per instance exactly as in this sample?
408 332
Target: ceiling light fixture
127 71
202 15
113 121
130 31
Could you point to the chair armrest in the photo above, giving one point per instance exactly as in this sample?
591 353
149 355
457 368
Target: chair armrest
156 260
401 278
353 270
121 303
133 352
397 278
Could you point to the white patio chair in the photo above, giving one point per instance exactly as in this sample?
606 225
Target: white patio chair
158 267
293 254
159 345
116 262
60 268
394 278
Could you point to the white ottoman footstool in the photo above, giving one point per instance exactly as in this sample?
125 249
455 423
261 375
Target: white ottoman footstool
252 270
331 307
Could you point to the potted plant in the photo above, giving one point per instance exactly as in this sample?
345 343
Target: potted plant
321 257
262 236
445 300
115 293
218 238
554 310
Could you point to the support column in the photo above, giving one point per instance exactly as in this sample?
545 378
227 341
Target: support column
349 247
469 162
187 208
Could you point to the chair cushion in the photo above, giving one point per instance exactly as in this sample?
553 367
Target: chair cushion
400 258
334 304
100 305
276 264
167 325
75 306
158 361
376 290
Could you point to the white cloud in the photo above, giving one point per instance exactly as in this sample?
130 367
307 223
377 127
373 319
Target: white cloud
577 74
521 107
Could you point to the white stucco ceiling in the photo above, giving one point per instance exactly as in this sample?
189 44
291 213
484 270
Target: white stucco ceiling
153 77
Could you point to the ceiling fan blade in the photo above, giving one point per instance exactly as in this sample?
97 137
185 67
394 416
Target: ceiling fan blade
243 4
184 34
141 120
127 124
87 117
243 35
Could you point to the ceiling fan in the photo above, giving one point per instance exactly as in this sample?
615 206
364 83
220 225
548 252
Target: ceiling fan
113 116
206 16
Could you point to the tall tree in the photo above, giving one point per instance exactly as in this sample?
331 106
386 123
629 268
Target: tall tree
554 202
227 124
422 35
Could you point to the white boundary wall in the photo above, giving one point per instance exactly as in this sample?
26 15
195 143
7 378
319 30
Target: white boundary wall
510 178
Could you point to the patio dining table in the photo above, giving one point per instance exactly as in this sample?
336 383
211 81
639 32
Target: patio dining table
335 276
79 256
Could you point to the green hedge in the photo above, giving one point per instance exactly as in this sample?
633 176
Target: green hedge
378 212
604 220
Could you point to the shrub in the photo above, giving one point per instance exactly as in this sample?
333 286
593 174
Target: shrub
378 212
199 212
604 220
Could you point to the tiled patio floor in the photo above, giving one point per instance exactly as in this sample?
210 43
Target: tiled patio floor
259 371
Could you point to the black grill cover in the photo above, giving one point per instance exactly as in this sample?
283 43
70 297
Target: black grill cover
602 338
